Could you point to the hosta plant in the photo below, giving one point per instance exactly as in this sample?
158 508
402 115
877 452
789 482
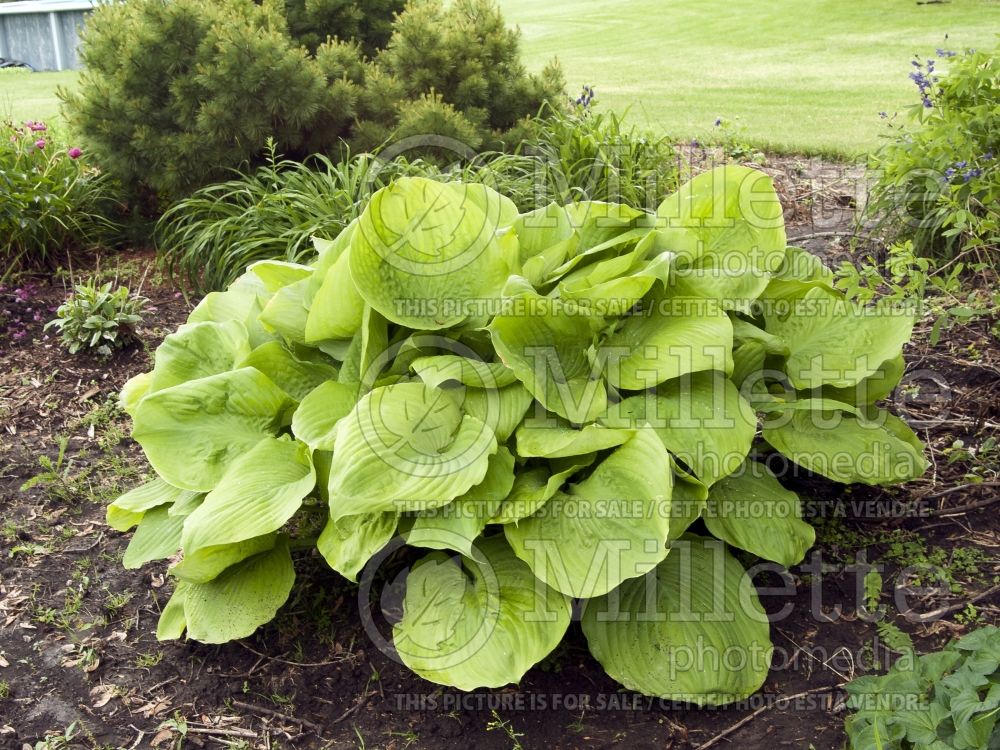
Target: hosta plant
546 408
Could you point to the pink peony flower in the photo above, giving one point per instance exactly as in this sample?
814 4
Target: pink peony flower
74 153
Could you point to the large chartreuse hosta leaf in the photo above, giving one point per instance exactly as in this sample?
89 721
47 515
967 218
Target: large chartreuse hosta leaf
406 447
157 536
435 370
422 249
348 543
336 307
701 418
549 437
233 605
192 432
128 510
243 301
481 622
751 510
534 487
456 526
198 350
547 344
611 526
690 630
258 494
840 443
834 342
294 376
667 339
315 421
729 211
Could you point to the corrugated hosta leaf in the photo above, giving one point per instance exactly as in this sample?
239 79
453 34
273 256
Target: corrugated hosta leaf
128 510
198 350
611 526
258 494
456 525
848 448
701 418
348 543
423 249
692 629
157 536
192 432
293 375
751 510
234 604
406 447
482 622
546 343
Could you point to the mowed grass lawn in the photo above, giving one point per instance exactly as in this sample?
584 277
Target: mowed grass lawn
800 75
806 76
32 96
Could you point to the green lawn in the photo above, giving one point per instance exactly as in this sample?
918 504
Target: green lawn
32 96
801 75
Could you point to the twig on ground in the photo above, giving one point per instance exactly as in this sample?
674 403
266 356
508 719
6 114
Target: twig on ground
278 715
221 732
362 700
158 685
941 612
747 719
346 657
964 508
818 235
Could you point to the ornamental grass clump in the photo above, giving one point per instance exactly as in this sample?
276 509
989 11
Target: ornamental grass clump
538 408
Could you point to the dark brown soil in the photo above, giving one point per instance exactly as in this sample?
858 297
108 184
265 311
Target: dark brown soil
77 644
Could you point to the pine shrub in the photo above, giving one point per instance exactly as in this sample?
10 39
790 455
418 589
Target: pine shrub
177 93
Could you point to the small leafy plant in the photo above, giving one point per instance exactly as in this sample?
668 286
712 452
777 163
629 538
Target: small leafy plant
945 700
98 318
538 408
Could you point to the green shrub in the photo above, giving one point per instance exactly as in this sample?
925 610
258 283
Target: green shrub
465 53
947 699
54 200
938 179
99 319
547 401
311 22
175 94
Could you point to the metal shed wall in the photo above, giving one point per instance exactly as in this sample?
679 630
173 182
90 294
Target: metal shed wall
42 33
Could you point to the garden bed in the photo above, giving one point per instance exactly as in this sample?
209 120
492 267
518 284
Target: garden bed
77 644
